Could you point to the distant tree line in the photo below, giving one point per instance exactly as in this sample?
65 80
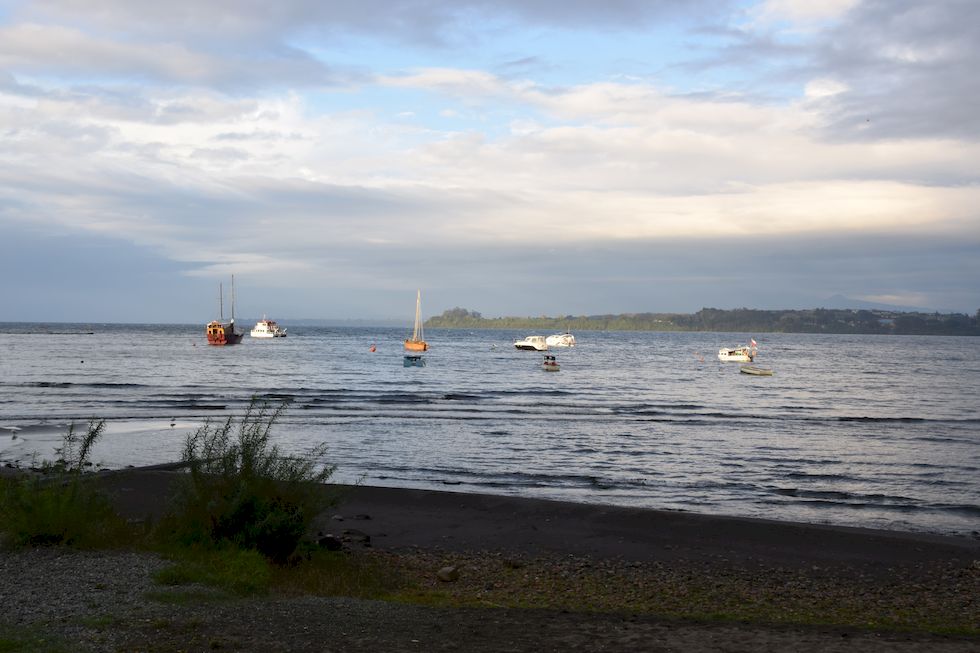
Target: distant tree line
817 320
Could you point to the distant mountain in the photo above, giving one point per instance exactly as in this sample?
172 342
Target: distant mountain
841 302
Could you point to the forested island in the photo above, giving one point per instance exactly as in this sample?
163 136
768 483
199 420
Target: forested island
817 320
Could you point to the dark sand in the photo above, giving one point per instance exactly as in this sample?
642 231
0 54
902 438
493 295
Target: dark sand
399 518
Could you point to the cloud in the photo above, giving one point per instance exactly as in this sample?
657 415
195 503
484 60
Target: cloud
801 12
407 20
67 51
609 161
909 68
227 140
899 69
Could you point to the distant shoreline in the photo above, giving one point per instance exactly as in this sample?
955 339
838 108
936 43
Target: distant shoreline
744 320
810 321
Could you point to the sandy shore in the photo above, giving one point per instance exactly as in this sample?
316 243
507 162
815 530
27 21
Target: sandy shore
399 518
507 544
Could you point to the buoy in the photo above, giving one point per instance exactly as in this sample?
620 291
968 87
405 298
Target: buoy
373 348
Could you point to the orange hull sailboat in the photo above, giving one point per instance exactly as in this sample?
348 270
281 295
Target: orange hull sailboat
417 341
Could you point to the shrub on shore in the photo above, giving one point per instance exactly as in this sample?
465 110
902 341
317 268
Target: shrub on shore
59 503
242 490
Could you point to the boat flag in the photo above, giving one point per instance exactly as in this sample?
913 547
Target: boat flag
754 343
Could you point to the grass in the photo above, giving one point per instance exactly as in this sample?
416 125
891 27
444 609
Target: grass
236 571
59 503
334 573
244 573
19 639
680 591
576 585
242 491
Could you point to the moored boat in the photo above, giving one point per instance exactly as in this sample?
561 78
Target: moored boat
550 364
736 355
532 343
745 354
417 341
757 371
414 360
267 329
218 331
560 340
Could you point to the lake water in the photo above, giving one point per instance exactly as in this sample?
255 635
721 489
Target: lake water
880 431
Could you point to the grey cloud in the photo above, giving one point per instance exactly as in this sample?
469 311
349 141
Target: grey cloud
187 42
126 102
349 278
431 21
911 67
675 275
219 154
10 84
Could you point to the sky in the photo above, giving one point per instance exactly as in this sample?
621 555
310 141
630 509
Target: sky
514 157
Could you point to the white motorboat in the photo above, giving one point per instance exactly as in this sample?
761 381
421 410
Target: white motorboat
756 371
267 329
738 354
560 340
532 343
550 364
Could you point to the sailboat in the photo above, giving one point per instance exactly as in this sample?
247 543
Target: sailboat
219 332
417 341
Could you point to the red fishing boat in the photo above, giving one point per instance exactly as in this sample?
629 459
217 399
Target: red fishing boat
220 332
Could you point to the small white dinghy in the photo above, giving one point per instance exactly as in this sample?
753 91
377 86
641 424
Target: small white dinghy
757 371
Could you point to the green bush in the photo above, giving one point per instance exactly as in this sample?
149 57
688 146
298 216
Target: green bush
243 490
59 503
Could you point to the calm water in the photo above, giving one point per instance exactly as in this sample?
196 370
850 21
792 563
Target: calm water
879 431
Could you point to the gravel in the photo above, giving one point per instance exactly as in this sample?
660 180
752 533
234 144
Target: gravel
107 601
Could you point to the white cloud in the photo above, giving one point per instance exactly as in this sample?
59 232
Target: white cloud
802 11
607 161
824 87
33 47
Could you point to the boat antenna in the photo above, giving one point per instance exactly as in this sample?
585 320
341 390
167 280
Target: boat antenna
221 302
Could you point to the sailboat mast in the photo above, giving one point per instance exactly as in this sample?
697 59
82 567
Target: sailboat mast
417 332
233 299
221 302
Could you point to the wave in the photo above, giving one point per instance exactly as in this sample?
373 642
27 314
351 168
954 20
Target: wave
464 476
66 384
881 419
842 496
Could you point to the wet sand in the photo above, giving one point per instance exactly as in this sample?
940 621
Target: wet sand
398 518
